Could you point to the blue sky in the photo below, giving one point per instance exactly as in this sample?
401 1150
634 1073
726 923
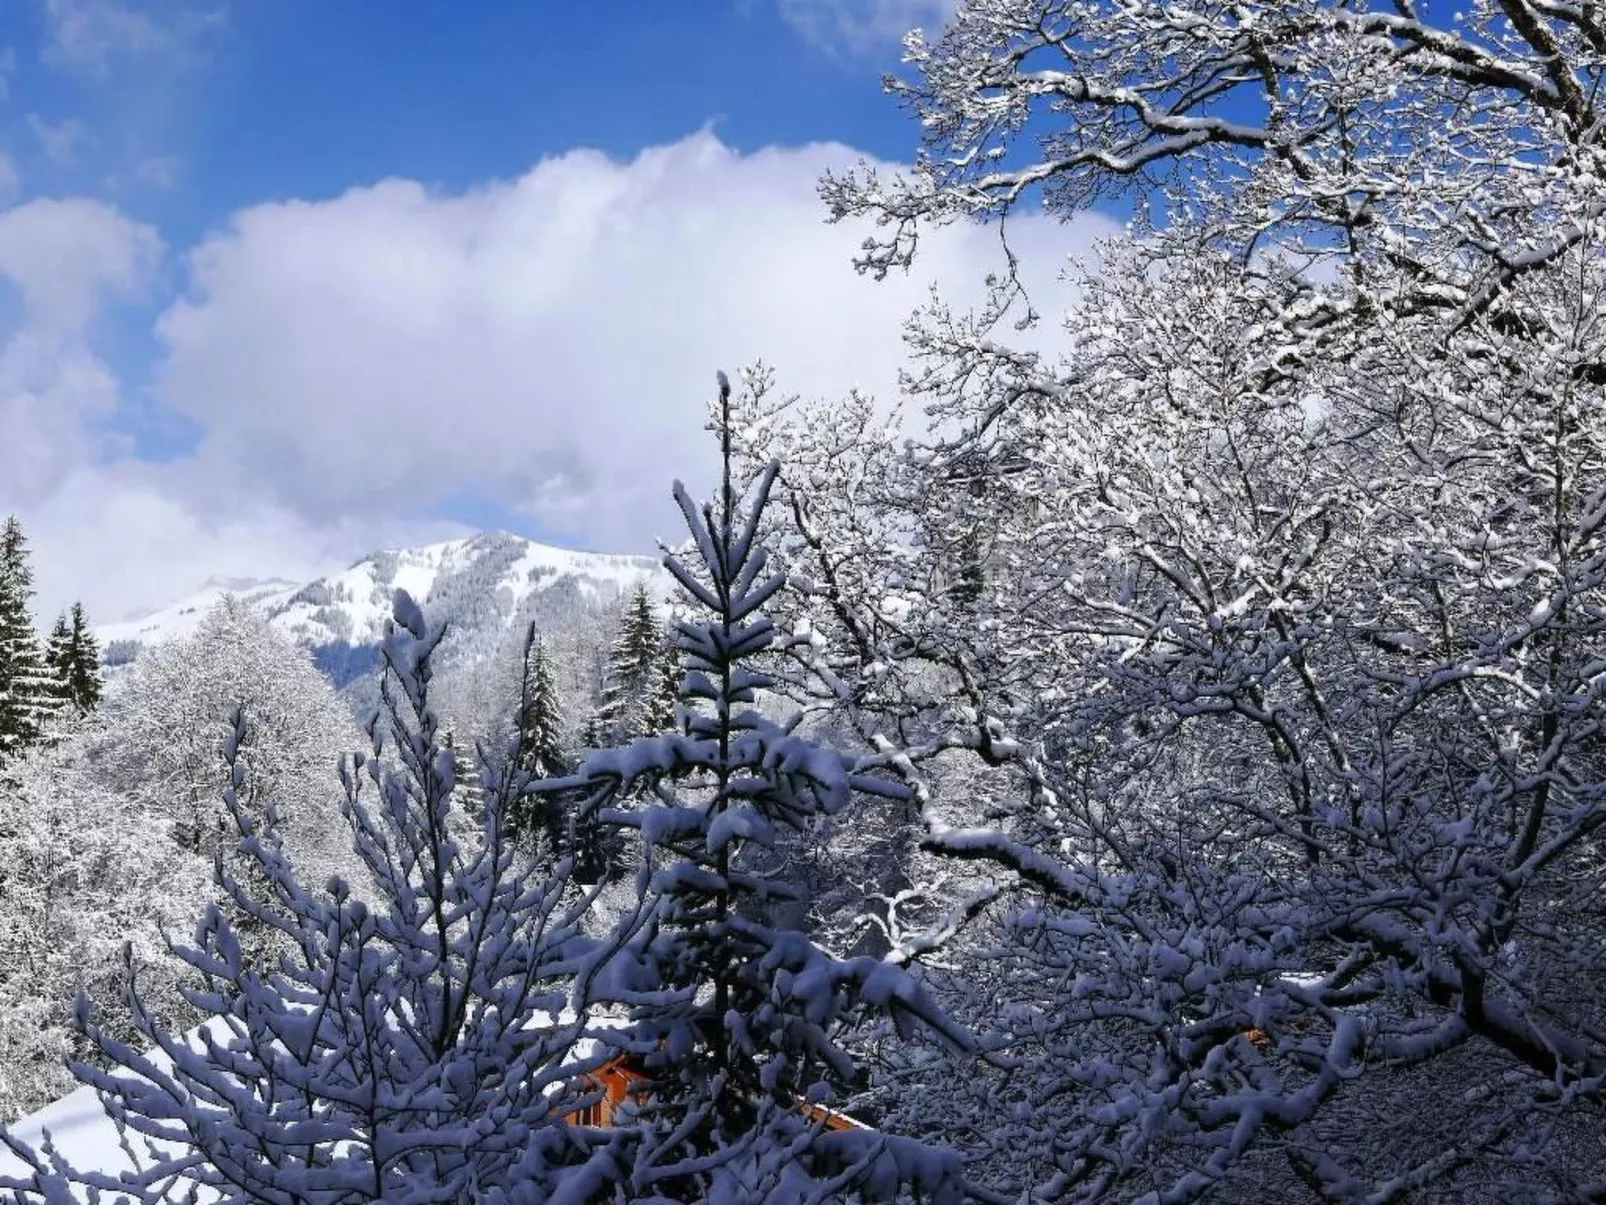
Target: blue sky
286 280
297 98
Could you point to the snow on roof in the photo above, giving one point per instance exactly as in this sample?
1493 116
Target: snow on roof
79 1127
80 1130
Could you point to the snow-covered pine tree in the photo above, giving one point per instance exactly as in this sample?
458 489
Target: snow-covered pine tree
639 688
663 691
56 654
414 1047
633 689
733 1018
72 656
27 696
538 820
81 668
56 658
464 794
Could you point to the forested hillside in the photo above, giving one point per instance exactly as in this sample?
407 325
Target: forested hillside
111 795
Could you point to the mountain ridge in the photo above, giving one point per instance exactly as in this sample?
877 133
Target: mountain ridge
483 586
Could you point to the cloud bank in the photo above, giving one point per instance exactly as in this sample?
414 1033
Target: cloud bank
358 366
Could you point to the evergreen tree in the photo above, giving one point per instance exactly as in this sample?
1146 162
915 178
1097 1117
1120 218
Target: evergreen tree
464 795
638 699
633 685
26 689
415 1049
538 726
73 659
663 694
733 1017
82 669
57 656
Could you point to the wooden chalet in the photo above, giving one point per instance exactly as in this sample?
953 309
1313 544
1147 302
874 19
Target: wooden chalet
622 1077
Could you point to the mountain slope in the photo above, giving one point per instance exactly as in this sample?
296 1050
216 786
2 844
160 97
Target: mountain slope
493 577
486 589
122 640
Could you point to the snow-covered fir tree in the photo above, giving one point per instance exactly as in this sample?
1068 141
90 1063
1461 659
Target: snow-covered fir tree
27 691
56 650
414 1046
82 663
732 1016
465 795
72 655
539 821
638 687
662 690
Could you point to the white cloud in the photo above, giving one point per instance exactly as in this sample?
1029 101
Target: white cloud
861 27
67 257
85 34
59 141
88 37
159 171
548 342
127 538
64 259
10 179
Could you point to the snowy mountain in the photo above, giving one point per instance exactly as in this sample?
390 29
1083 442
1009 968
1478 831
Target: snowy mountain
182 617
490 577
486 588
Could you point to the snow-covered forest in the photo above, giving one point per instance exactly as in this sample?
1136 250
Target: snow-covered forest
1161 758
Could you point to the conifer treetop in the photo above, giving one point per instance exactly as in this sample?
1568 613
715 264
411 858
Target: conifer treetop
734 1018
28 694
